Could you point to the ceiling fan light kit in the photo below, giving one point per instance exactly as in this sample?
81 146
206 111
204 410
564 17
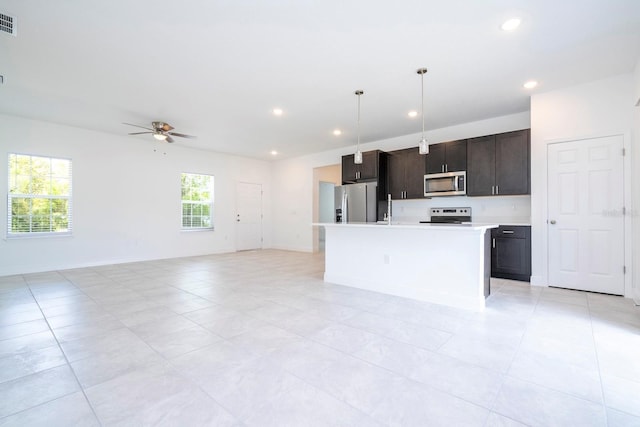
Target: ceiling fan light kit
160 131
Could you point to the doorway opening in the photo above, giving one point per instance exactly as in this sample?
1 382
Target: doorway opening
324 181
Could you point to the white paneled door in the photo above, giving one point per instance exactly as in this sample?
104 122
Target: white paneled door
585 218
248 216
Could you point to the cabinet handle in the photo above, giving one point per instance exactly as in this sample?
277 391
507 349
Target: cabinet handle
507 232
493 190
446 167
442 168
494 243
497 191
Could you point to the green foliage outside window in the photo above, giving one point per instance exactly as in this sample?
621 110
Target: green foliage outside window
39 195
197 201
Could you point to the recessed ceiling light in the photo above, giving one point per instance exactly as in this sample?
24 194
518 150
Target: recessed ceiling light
413 113
277 111
510 24
530 84
337 132
274 153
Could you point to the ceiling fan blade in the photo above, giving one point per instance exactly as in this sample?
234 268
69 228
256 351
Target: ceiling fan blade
138 133
138 126
181 135
169 139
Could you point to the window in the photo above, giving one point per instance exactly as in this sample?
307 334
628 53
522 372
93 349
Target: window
39 196
197 201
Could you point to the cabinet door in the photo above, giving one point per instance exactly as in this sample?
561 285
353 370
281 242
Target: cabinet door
481 164
414 166
509 256
348 169
396 174
369 166
511 252
436 158
456 156
512 163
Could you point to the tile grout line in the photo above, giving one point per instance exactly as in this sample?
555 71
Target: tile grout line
506 374
63 353
595 349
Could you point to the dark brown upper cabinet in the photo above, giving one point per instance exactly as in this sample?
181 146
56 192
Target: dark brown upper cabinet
447 157
499 165
405 178
372 167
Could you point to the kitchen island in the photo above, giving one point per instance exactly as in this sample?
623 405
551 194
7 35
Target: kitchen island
446 264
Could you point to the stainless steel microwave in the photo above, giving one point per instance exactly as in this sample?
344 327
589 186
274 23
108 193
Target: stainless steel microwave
445 184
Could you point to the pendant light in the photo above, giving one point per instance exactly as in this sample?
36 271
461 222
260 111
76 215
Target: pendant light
357 158
423 145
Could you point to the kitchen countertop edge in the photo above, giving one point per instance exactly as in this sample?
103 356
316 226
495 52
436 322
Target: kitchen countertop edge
457 227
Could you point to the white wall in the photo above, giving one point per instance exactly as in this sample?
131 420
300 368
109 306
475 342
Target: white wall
635 153
598 108
126 198
293 178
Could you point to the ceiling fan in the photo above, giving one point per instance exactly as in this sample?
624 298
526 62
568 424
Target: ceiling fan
160 131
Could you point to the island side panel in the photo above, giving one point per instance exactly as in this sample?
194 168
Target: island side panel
433 264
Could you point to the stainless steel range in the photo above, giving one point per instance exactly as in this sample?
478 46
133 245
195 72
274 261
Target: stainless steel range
448 216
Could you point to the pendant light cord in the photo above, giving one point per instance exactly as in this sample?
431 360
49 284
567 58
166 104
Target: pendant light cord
359 92
422 102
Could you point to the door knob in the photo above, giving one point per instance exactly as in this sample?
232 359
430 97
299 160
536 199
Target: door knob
553 221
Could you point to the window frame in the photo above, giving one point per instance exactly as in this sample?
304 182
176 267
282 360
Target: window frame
203 202
10 234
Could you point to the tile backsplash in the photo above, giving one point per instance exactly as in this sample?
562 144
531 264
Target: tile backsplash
496 209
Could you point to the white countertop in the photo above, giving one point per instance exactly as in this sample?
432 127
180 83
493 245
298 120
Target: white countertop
453 227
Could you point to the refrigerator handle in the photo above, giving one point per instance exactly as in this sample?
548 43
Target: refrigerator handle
345 204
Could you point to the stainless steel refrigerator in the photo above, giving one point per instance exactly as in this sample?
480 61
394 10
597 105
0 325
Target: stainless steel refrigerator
356 202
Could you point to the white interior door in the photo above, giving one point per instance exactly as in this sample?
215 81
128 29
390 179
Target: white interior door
585 215
248 216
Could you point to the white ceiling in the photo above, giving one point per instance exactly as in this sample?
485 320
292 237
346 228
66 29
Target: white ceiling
217 68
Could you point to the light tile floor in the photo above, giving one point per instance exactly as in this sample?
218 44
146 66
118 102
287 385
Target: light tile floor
258 339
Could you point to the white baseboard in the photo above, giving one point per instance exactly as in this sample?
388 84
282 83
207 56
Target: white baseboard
538 281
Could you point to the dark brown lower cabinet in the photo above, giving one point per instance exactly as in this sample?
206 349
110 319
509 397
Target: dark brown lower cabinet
511 252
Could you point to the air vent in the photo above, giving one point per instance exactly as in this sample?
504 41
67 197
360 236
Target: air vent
8 24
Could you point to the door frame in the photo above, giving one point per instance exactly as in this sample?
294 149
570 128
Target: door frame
627 201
